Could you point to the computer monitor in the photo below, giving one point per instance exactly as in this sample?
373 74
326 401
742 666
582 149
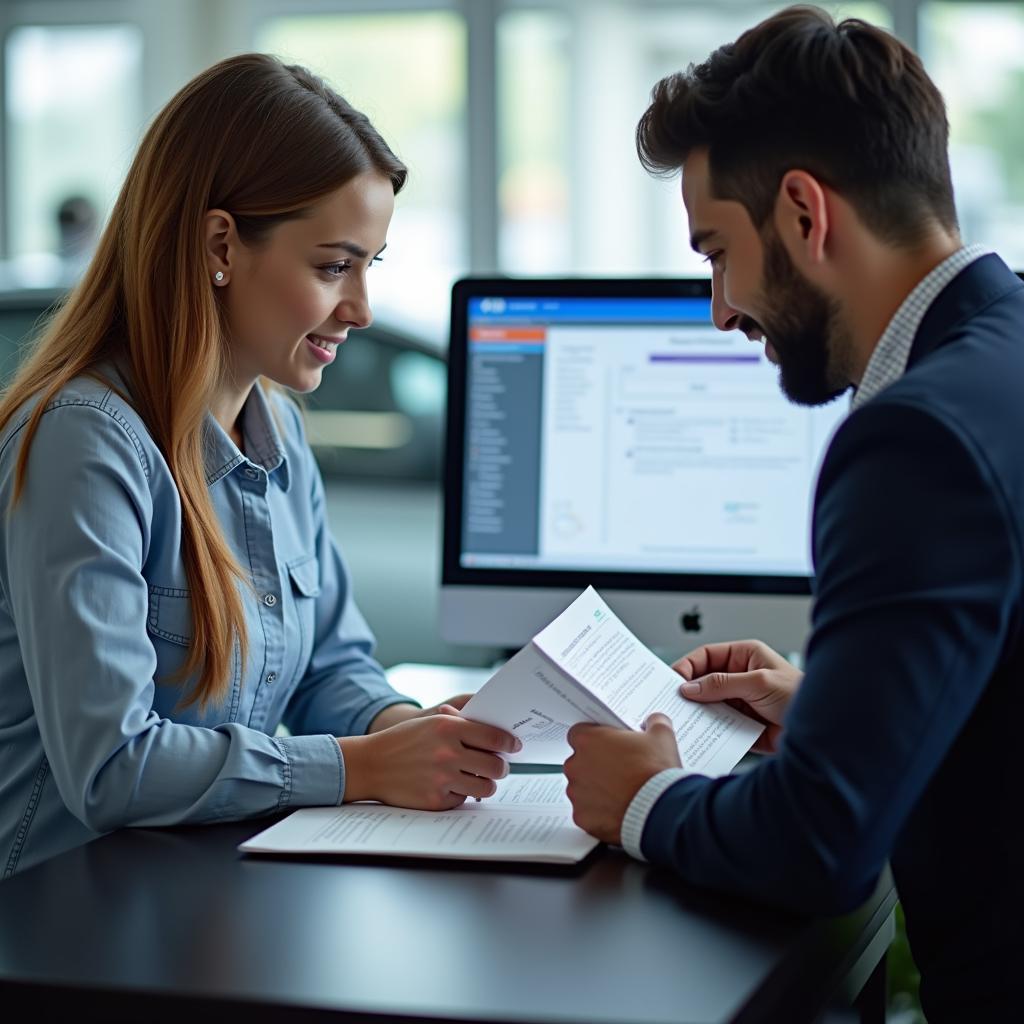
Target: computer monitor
604 432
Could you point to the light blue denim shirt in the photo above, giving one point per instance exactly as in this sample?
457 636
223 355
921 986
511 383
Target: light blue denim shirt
95 618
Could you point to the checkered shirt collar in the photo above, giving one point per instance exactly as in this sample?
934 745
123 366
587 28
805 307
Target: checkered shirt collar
889 359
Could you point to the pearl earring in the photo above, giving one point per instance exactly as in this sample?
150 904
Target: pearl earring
219 276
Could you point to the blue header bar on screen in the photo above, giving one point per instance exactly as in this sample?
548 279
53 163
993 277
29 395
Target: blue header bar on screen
502 309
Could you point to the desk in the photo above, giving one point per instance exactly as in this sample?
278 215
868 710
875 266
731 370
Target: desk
174 924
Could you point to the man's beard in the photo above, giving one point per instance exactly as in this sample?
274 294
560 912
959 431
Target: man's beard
804 327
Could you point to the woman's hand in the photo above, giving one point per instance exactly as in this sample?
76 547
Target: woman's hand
395 713
456 703
432 760
747 674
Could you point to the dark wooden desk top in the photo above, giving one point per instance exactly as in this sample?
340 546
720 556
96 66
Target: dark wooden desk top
159 924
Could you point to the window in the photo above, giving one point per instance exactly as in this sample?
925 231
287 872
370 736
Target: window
573 80
570 80
407 72
534 115
73 99
975 54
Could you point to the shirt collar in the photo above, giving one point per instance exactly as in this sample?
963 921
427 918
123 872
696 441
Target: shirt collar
889 359
262 441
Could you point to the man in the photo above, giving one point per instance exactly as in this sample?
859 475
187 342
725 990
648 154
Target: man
816 181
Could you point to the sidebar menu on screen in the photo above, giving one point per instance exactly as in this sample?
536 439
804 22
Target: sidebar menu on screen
503 433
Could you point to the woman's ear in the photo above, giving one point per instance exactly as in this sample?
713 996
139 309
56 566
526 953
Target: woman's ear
802 217
221 243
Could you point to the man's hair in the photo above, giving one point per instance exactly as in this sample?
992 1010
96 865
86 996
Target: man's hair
845 102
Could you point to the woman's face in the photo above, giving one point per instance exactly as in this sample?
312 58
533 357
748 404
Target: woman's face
292 299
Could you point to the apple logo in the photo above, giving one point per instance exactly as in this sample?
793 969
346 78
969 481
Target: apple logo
690 620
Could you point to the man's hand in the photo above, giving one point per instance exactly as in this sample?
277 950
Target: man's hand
608 767
747 674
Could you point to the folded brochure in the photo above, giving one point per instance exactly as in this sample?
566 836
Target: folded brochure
586 666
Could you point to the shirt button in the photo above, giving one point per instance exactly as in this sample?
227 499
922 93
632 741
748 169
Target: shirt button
269 600
271 676
251 473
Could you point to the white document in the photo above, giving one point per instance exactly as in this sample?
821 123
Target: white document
529 818
586 666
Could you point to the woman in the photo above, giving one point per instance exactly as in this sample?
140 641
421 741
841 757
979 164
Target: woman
169 591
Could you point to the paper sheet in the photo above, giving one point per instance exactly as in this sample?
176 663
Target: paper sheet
586 666
531 698
528 819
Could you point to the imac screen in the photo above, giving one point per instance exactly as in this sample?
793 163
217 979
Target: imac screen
607 432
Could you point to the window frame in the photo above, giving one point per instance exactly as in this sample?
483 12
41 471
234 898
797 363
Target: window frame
195 33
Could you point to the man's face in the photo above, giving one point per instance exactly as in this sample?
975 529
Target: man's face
757 289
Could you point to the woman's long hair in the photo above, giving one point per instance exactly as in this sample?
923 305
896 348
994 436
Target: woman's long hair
263 141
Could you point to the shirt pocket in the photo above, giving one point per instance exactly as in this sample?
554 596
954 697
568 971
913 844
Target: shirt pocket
169 624
304 573
170 628
170 615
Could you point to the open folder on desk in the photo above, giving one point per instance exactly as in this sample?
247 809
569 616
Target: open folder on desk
529 819
584 667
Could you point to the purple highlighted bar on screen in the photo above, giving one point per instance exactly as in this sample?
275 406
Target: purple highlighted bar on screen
673 358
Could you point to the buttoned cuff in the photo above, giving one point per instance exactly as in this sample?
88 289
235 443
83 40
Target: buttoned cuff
640 807
314 771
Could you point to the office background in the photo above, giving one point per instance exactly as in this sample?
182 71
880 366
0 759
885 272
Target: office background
516 119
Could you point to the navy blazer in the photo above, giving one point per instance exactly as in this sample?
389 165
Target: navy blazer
903 740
